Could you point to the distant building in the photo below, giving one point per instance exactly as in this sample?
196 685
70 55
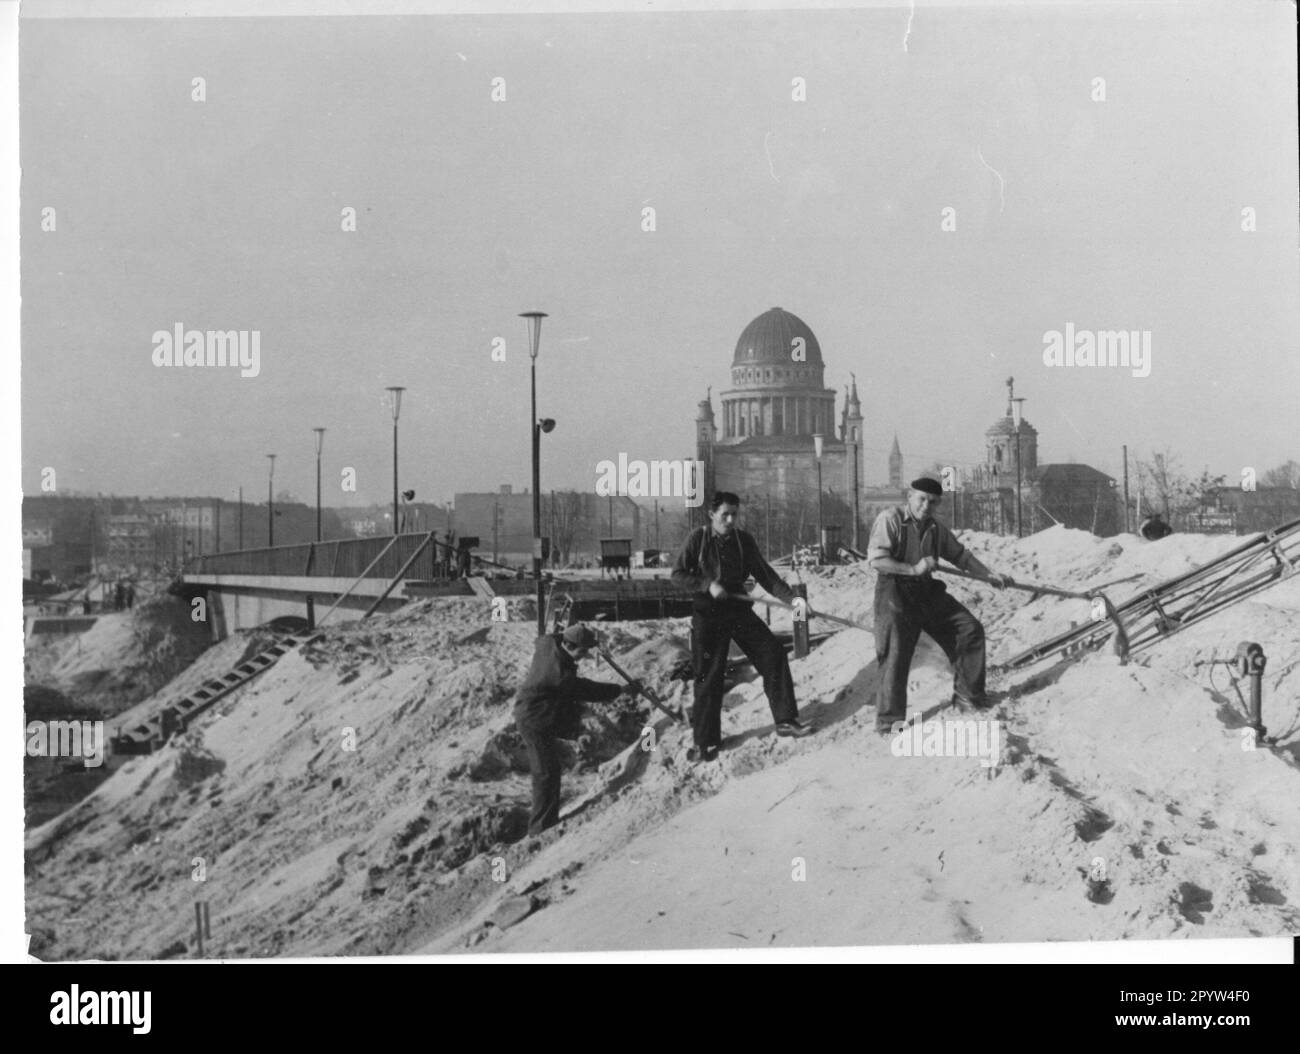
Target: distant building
62 534
1074 495
763 449
503 523
416 518
1231 510
131 541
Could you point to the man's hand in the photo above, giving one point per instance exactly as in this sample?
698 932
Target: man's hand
634 687
1001 581
716 591
925 565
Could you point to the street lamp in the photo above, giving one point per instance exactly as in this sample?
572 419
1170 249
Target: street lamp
818 440
397 409
534 344
270 505
1017 415
320 444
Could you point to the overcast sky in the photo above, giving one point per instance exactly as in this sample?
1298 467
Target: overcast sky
225 214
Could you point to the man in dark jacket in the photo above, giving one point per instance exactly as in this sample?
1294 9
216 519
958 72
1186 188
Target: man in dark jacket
713 564
546 709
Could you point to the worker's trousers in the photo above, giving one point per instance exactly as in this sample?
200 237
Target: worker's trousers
904 609
716 623
541 740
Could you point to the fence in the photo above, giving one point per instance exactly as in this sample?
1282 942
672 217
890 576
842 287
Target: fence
343 558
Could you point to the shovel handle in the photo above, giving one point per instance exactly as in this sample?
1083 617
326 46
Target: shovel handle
650 696
772 603
1028 587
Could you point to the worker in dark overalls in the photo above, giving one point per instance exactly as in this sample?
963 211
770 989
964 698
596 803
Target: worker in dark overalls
904 549
713 565
546 710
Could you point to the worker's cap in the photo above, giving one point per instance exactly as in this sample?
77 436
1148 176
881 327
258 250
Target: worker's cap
928 486
579 636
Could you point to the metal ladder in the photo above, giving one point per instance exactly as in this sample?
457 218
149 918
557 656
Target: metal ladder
153 732
1161 611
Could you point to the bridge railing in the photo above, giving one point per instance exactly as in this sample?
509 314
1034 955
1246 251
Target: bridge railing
341 558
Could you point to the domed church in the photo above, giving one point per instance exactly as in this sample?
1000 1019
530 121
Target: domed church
761 444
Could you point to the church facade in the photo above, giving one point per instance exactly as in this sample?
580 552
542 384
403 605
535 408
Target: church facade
761 443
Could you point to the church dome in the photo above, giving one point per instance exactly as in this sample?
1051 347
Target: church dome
1006 426
770 339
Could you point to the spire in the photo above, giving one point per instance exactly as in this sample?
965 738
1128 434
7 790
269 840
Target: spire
706 406
894 450
853 394
1011 393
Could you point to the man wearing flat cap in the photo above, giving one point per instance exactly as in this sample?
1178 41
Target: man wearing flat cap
546 710
904 549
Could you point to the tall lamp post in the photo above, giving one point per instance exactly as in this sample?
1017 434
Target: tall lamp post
320 444
270 504
818 440
534 345
397 409
1017 415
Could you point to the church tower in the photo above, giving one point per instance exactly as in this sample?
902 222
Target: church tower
1000 446
706 434
851 437
895 465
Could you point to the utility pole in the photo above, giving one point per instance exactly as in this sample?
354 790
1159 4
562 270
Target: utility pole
1126 524
241 517
855 450
270 505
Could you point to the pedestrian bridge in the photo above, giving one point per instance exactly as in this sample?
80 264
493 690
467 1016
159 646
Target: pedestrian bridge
354 577
249 587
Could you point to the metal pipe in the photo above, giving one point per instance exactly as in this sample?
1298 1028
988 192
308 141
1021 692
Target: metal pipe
397 577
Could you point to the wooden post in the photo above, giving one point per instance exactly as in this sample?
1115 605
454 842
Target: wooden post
800 624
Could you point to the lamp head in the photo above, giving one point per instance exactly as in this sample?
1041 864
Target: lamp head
534 331
397 400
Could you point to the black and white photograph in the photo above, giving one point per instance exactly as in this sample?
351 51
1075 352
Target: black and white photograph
788 480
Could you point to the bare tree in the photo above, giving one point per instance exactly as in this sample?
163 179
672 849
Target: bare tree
1162 479
1202 492
1285 475
567 516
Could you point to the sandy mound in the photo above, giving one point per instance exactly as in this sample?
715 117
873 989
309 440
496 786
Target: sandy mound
368 795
